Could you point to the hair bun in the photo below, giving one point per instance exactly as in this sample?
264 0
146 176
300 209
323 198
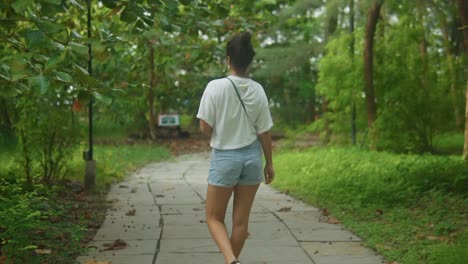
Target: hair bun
245 37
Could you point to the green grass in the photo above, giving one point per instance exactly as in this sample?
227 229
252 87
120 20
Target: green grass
423 199
114 162
449 143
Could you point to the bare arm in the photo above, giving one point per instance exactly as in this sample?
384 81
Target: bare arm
269 172
205 128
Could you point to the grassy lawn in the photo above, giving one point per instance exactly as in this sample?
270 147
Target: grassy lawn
411 209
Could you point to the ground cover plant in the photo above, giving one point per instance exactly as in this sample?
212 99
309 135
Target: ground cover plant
410 208
51 223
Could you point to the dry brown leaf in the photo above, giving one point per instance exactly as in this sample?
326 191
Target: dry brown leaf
332 220
98 262
116 245
432 237
381 247
325 211
131 212
43 251
285 209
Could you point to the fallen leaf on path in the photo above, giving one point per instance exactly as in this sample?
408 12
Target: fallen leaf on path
131 212
333 220
285 209
324 211
159 195
123 186
133 190
381 247
117 244
43 251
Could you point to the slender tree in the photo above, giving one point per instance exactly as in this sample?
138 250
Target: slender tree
371 24
463 13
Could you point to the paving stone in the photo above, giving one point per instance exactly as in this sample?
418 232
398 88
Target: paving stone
120 259
192 258
187 231
134 247
189 245
179 209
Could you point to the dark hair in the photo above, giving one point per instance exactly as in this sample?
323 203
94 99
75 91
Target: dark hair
240 51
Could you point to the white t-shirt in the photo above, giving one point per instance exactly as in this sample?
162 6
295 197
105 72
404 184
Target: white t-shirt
221 109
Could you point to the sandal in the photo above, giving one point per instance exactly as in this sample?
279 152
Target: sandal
235 262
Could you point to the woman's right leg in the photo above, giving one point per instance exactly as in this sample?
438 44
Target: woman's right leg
217 199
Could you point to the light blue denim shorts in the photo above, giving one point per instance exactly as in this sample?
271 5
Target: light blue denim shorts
232 167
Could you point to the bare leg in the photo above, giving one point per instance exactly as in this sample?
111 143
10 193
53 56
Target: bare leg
217 199
243 200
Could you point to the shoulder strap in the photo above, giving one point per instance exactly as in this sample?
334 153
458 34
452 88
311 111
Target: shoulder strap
242 102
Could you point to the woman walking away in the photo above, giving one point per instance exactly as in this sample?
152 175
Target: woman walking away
234 112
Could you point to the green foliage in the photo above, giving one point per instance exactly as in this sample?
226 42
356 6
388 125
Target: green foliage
410 208
26 224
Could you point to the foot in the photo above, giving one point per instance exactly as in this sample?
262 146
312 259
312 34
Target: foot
235 262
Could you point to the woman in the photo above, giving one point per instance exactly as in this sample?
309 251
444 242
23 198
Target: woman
234 112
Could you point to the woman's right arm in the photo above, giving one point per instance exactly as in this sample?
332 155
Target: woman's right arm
205 128
269 172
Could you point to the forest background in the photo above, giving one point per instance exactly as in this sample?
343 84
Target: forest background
379 88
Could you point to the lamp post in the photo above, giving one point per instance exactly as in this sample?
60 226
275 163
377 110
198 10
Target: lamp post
90 171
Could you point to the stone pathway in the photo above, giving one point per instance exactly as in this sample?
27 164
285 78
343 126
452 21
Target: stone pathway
159 212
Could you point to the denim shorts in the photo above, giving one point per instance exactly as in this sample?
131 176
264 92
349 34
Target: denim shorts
232 167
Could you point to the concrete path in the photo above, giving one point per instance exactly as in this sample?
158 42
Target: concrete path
159 212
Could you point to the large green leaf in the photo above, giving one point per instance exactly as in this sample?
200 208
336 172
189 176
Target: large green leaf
55 2
35 38
83 76
104 99
20 5
79 48
63 77
42 82
110 3
51 27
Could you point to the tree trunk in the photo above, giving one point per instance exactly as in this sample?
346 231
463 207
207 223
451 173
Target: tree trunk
463 13
152 84
452 73
372 19
331 26
351 51
465 145
371 106
5 116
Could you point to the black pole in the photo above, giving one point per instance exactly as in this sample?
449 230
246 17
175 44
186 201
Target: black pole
90 70
90 172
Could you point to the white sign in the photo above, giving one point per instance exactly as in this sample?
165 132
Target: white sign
168 120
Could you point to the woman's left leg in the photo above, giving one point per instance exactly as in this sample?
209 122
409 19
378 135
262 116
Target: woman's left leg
243 200
217 199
